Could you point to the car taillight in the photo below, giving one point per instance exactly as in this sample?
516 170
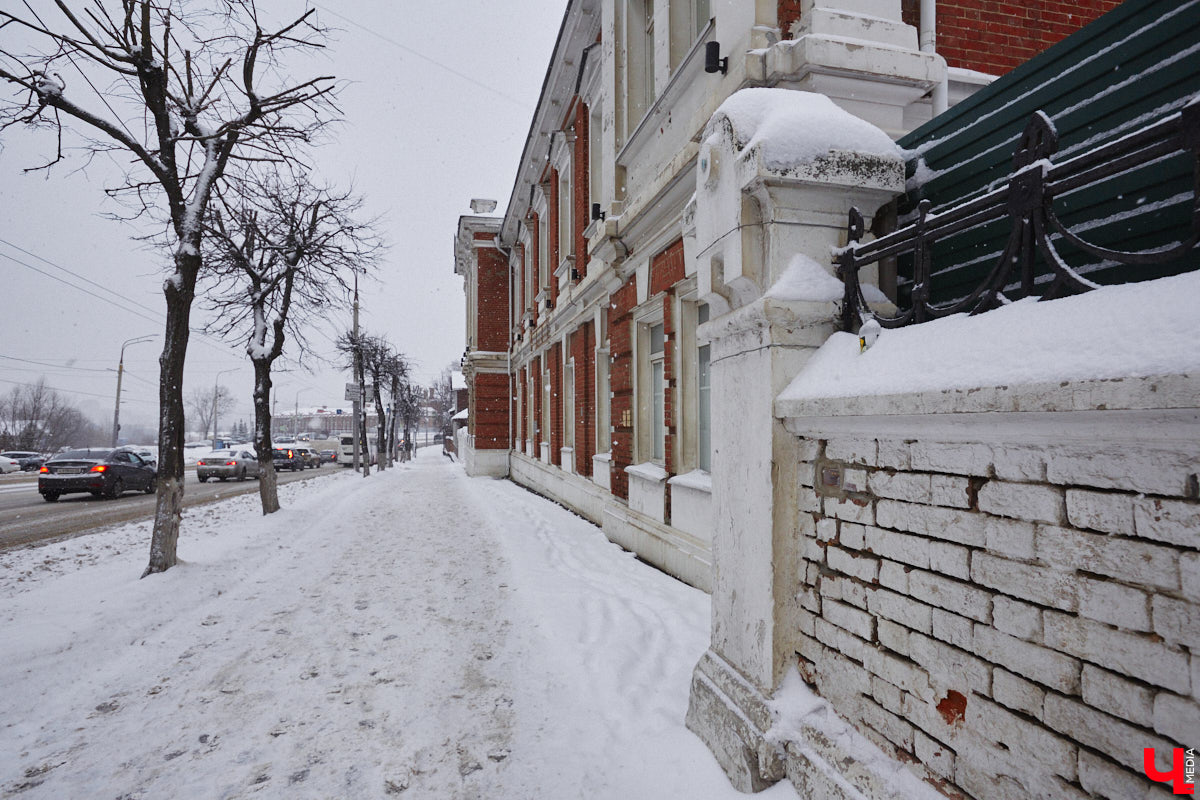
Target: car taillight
98 468
231 463
44 469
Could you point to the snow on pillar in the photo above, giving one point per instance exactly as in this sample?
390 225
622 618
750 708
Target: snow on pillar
778 172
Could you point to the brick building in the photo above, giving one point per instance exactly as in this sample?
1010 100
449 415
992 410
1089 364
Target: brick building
630 329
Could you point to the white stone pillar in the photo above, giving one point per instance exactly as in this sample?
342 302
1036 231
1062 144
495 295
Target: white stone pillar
755 212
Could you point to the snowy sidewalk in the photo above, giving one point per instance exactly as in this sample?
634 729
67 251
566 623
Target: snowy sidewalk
418 633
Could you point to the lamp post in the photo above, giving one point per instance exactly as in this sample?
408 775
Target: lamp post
120 372
296 414
216 396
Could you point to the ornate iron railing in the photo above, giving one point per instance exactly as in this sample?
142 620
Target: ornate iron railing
1027 200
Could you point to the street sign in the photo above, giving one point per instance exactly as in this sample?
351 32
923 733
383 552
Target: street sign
352 392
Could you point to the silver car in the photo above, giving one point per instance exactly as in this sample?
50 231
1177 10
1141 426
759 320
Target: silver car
226 464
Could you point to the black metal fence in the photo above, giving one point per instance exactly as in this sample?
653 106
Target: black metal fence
1027 202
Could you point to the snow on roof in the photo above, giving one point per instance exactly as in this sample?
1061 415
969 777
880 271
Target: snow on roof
460 415
1131 330
457 381
791 127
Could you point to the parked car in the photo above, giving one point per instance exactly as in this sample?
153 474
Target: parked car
226 464
329 456
145 453
286 458
9 464
28 459
102 472
308 456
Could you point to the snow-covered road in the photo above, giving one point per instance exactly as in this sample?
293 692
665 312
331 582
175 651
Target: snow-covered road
418 634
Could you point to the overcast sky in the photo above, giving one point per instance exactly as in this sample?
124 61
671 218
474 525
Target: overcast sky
437 101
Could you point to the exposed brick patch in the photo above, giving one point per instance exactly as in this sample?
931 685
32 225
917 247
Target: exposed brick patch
580 183
953 708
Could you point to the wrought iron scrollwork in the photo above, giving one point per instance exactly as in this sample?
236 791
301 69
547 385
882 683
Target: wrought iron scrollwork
1027 201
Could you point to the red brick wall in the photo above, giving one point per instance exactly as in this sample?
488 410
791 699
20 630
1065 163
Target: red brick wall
519 294
580 184
491 292
554 354
535 376
552 224
666 269
534 264
990 36
620 340
489 417
583 350
993 36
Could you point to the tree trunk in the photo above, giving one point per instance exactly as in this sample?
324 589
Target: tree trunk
168 510
268 487
364 437
380 426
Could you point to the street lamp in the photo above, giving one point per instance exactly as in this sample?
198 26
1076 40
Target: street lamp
120 372
216 396
296 415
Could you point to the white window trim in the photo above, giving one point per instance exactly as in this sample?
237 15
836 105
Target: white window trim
645 317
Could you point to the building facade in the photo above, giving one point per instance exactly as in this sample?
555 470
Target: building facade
663 271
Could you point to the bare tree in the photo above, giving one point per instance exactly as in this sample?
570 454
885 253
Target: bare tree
443 399
281 251
34 416
184 99
395 371
202 402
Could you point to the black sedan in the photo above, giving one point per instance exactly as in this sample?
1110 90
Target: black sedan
102 472
286 458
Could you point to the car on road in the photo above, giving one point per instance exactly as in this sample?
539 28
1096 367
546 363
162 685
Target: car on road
28 459
308 456
101 472
286 458
328 456
9 464
226 464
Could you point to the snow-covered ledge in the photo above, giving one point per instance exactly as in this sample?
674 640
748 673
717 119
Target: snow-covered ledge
566 458
545 452
691 504
602 470
648 490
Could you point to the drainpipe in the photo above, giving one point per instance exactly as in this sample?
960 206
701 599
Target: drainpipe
928 33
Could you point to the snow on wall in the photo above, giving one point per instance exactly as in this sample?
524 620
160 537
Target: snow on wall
1131 330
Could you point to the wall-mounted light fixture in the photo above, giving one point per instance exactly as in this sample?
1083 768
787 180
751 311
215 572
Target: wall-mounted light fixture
712 59
596 212
574 274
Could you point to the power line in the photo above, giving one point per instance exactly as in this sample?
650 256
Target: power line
54 366
72 391
523 104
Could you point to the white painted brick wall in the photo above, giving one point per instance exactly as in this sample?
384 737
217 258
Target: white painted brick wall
1029 501
1114 603
1056 594
1118 696
1126 653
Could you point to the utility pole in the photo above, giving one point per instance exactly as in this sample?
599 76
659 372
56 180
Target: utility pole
120 372
357 372
296 414
216 397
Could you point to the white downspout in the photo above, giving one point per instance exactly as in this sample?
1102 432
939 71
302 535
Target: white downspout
928 33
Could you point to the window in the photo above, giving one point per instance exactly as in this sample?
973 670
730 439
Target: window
565 240
639 61
569 404
546 403
544 268
703 383
603 403
689 18
658 395
595 175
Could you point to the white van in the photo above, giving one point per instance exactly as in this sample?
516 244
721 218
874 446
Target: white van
345 455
